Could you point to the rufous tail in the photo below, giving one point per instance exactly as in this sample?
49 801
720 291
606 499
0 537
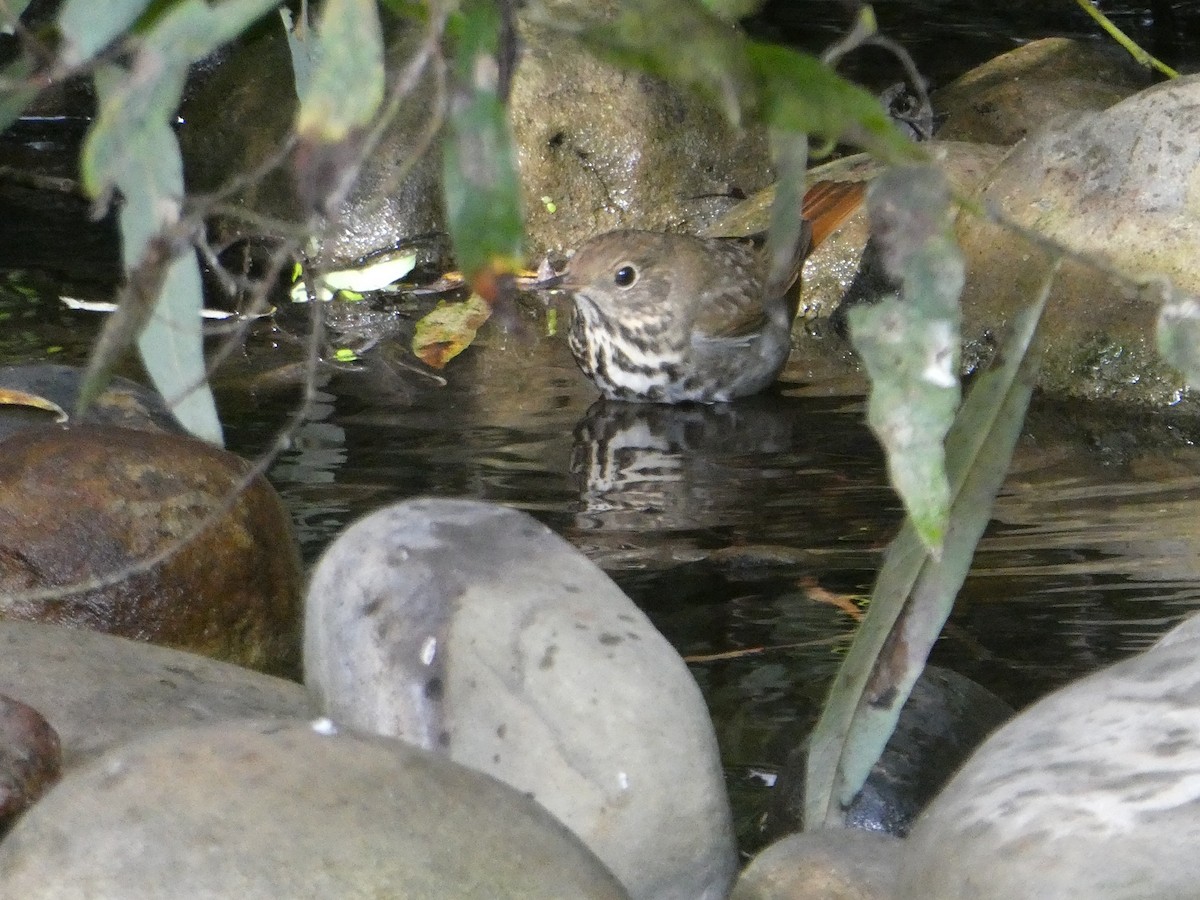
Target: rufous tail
827 204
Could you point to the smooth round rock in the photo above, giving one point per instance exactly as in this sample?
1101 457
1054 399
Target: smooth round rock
30 758
830 864
1120 185
98 691
473 630
87 503
251 809
1092 792
1018 92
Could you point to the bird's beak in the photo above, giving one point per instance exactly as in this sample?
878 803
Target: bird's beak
550 282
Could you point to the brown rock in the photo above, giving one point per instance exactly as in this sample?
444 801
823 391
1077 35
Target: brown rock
1018 92
91 509
30 758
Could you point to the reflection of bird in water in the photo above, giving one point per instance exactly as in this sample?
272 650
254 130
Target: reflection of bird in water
649 466
672 318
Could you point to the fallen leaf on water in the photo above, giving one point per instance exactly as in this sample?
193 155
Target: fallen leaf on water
10 397
448 330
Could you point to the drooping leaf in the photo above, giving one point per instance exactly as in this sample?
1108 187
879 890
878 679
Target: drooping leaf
1178 335
14 9
87 27
788 233
686 43
449 329
481 185
799 92
131 149
910 344
346 83
915 589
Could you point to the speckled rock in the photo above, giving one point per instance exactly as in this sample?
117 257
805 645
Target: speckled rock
98 691
83 504
473 630
1119 185
830 864
1021 91
273 810
601 147
30 758
1091 792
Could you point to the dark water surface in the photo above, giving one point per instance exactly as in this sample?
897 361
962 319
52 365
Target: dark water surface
748 532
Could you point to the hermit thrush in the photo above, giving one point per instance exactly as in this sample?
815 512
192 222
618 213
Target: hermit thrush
672 318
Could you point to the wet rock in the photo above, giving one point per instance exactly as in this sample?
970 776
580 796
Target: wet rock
123 403
830 864
474 631
84 504
946 717
237 116
30 758
602 147
98 691
1091 792
287 810
1117 185
1019 92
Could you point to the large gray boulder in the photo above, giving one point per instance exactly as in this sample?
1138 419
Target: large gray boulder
1093 792
270 809
474 631
99 691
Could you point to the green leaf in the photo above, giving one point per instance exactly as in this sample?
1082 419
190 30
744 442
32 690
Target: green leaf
481 185
21 90
88 27
345 86
915 589
682 42
1178 335
910 345
788 235
801 93
172 350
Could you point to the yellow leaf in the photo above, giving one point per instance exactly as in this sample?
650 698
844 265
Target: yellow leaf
12 397
449 329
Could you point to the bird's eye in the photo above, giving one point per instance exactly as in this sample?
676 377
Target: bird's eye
625 276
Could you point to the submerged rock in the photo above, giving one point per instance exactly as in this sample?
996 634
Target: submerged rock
99 691
123 403
84 504
252 809
474 631
946 717
1091 792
